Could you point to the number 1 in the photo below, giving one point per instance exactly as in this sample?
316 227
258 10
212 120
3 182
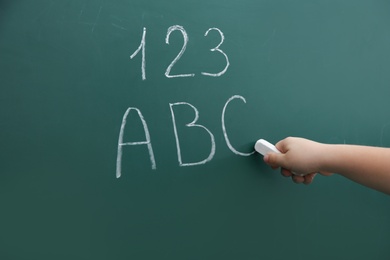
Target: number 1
141 47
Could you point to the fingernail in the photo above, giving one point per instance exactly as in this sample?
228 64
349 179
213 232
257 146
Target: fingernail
266 158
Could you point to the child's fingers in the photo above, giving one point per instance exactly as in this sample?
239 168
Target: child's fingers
286 173
309 178
298 179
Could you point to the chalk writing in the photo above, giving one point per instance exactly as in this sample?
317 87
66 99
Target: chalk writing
183 49
218 50
142 48
224 127
193 123
121 143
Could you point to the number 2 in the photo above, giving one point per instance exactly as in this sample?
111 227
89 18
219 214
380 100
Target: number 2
185 37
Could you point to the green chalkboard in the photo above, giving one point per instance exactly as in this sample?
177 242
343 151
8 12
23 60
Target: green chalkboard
127 127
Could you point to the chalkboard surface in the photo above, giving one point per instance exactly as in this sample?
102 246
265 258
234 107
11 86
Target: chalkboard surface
127 128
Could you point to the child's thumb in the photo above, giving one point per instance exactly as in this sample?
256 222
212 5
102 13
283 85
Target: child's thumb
275 159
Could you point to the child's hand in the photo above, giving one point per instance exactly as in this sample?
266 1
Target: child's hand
300 156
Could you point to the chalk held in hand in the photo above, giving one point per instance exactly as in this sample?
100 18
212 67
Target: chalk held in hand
263 147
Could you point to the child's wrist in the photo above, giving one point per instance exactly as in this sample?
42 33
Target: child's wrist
324 158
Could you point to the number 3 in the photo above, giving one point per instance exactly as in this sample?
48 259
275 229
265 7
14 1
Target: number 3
218 50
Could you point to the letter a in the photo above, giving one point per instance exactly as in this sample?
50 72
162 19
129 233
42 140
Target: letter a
121 143
192 124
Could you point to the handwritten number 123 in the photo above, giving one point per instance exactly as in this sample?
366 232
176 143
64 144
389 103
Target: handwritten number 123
141 48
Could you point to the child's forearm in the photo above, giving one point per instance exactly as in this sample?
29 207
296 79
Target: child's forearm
366 165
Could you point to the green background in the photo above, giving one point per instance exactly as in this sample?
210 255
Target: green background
316 69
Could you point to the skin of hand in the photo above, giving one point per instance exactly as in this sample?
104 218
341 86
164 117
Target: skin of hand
298 155
367 165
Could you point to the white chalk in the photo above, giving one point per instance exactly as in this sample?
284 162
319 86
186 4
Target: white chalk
263 147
